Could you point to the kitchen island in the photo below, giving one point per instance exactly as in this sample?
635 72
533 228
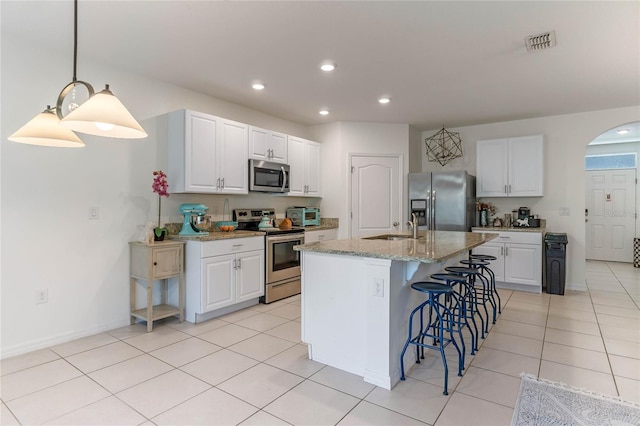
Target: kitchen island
357 296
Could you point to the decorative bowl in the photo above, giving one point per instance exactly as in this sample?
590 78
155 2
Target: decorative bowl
226 225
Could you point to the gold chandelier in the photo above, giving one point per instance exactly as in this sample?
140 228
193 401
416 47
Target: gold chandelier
444 147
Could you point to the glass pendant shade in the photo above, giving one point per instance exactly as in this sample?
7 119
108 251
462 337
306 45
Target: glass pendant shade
104 115
44 129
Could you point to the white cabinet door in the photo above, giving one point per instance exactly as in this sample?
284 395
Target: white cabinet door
526 166
312 169
497 250
258 143
192 142
323 235
304 159
296 162
249 275
267 145
233 167
218 282
523 264
278 145
510 167
492 171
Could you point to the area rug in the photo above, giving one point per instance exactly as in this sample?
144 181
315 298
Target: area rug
543 402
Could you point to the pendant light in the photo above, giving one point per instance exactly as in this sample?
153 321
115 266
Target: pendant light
102 114
44 129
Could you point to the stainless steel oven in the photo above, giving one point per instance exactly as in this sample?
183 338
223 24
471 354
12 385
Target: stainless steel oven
282 266
282 263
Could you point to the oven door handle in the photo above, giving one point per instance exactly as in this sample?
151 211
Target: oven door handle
287 237
284 178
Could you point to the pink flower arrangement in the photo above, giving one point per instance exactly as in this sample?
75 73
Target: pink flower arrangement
160 187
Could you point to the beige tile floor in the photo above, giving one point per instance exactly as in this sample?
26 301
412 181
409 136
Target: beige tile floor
250 368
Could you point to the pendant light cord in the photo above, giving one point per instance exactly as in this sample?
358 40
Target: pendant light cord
75 38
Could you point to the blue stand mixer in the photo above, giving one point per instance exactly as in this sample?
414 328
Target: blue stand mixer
188 211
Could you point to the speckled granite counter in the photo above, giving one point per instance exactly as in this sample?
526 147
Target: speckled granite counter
510 229
217 235
430 247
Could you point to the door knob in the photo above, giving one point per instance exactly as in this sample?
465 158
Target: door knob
395 224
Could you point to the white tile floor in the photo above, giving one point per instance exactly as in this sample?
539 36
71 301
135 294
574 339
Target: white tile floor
250 368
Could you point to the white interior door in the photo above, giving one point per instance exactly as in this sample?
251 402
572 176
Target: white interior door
611 209
376 195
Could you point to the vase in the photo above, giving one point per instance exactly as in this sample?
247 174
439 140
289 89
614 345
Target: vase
159 234
483 218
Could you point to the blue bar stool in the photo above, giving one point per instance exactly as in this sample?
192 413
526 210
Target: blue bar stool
492 278
435 327
472 297
483 282
458 306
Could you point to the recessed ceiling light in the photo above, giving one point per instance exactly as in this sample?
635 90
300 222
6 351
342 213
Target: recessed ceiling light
622 131
324 112
258 86
328 66
384 100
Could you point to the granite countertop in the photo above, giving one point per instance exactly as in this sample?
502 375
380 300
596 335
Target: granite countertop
510 229
430 247
217 235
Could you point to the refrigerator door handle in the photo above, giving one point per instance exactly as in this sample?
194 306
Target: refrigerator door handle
433 210
428 212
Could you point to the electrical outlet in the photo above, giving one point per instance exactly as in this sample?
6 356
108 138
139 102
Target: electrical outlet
94 213
378 287
564 211
42 296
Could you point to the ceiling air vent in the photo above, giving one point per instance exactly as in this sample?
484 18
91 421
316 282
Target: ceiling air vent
539 42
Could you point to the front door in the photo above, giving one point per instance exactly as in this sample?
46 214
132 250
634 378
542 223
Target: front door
376 194
610 214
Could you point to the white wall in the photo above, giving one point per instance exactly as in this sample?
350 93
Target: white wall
47 240
565 140
344 138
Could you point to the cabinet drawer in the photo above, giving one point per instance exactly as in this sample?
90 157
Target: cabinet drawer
517 237
324 235
232 245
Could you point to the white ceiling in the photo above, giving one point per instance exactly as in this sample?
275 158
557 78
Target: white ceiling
443 63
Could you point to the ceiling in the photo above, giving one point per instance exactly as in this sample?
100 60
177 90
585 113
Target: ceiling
442 63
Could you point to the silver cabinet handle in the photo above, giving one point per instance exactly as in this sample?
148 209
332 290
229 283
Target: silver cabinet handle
501 251
239 264
222 183
505 189
506 251
509 189
218 183
235 265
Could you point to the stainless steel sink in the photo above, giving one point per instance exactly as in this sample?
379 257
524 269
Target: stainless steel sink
389 237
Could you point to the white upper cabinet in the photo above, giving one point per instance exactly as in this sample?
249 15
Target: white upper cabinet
207 154
267 145
304 160
510 167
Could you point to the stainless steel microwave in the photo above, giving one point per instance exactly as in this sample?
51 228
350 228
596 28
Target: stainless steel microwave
267 176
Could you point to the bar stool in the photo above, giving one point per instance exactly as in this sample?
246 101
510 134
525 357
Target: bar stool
483 282
492 276
472 298
458 306
434 328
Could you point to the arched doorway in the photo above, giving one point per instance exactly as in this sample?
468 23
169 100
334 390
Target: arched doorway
611 194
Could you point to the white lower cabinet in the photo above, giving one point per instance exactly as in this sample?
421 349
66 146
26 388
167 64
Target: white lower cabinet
320 235
519 259
223 273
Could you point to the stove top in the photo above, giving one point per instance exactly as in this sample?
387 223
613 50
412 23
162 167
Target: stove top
249 219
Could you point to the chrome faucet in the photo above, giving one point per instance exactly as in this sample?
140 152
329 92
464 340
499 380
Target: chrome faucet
413 224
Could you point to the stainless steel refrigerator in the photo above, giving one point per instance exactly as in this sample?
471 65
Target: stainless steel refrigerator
443 201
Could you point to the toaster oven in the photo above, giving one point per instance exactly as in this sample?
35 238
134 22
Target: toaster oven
304 216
